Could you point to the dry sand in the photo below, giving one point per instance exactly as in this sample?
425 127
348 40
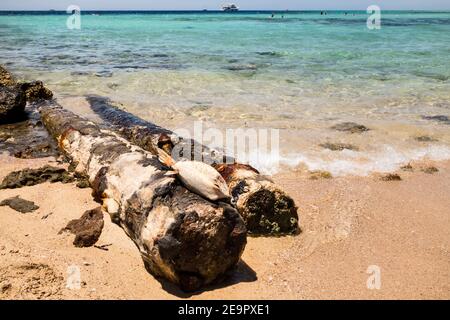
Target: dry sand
348 224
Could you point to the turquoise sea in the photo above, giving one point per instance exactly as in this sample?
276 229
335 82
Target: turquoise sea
300 72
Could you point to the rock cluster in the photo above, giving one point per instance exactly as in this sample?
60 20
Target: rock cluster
14 96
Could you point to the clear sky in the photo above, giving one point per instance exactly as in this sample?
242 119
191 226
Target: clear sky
214 4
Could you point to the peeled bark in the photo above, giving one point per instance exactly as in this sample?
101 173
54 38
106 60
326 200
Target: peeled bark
181 236
264 206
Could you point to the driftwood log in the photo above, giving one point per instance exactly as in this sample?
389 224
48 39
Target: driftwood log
181 236
264 206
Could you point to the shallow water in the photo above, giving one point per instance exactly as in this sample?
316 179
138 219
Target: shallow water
301 74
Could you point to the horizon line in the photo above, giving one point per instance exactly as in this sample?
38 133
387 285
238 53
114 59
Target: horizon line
215 10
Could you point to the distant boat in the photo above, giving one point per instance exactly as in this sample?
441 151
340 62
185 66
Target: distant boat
230 8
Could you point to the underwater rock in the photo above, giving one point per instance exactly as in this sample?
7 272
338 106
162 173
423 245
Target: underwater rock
31 177
350 127
316 175
425 139
35 91
439 118
242 67
339 146
87 229
19 204
12 104
269 53
160 55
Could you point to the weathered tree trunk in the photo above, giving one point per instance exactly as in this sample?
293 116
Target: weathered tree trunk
265 207
181 236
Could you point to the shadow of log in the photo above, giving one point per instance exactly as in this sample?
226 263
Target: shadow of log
242 272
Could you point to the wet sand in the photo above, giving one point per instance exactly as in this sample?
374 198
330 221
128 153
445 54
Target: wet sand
348 224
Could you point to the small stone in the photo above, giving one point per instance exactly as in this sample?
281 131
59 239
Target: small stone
438 118
425 139
6 287
46 215
430 170
350 127
87 229
391 177
19 204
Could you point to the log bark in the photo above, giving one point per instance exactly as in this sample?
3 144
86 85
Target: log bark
264 206
181 236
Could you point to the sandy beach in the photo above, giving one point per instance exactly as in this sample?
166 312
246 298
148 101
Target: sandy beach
321 148
348 224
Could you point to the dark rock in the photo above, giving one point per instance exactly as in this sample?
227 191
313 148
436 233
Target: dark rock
31 177
430 170
12 104
391 177
407 167
339 146
270 53
35 91
439 118
87 229
350 127
160 55
19 204
243 67
425 139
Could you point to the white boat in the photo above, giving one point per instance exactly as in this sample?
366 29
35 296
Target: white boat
230 8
